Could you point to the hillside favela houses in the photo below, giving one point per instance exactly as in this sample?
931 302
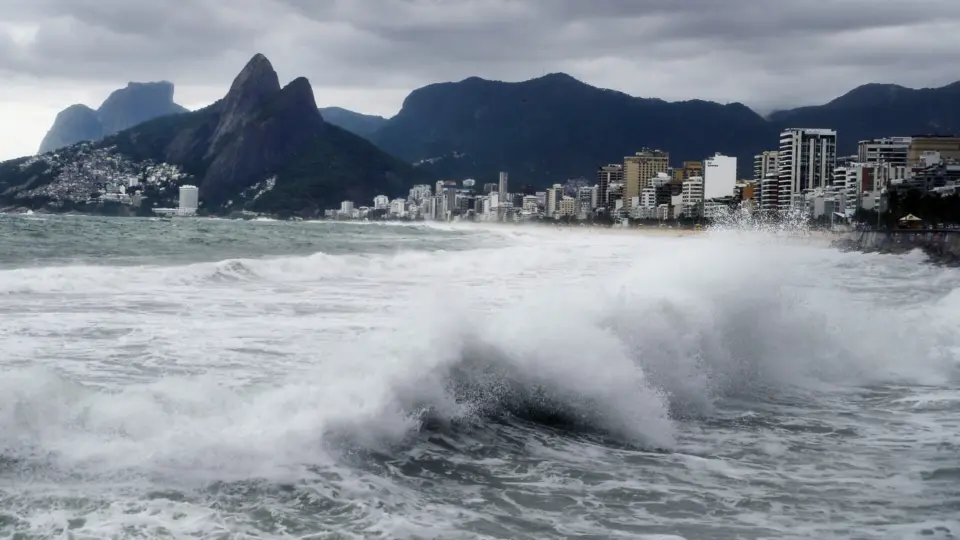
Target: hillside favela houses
800 176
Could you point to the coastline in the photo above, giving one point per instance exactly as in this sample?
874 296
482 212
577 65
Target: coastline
941 246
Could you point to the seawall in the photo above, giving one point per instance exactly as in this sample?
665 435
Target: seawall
941 245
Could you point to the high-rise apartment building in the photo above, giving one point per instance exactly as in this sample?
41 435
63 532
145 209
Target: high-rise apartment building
554 196
806 161
692 194
764 164
586 199
502 187
189 200
892 150
639 169
769 194
765 168
419 193
567 206
719 176
607 175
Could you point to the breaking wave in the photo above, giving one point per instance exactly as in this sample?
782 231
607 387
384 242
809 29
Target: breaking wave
629 344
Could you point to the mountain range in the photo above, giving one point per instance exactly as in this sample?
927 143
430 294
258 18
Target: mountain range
542 131
547 129
262 147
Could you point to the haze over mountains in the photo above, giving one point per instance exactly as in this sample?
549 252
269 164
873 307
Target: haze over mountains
547 129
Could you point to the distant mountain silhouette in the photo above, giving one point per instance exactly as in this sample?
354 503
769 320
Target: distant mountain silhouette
881 110
548 129
364 125
124 108
262 147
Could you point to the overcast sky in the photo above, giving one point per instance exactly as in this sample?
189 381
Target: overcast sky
367 55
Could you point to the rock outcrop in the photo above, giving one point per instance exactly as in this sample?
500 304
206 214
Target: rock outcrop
123 109
74 124
251 90
262 147
261 126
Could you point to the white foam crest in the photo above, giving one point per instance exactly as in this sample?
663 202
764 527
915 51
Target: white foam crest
194 425
622 326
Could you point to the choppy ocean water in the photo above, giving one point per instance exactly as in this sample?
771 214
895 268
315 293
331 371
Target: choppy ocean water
222 379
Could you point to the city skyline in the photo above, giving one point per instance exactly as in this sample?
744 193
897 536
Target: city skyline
57 53
803 176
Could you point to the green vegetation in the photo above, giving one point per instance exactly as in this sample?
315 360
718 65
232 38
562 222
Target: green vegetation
336 166
12 176
549 129
931 208
178 139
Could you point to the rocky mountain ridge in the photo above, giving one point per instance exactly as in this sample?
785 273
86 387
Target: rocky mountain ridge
123 108
262 147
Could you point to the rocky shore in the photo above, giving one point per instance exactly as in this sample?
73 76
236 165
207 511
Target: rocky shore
942 246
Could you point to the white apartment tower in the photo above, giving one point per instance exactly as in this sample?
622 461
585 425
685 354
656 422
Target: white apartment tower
189 200
764 164
806 161
554 195
719 176
502 187
769 193
764 168
692 196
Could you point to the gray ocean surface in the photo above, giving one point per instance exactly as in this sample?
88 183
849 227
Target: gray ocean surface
198 378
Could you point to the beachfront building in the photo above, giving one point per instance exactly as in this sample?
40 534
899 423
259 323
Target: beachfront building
398 207
189 200
567 207
639 169
805 162
608 175
692 197
719 176
554 195
764 164
892 150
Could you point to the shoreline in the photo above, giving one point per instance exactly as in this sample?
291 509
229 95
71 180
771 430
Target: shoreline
941 246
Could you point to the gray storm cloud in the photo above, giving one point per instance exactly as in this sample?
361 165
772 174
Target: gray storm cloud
760 52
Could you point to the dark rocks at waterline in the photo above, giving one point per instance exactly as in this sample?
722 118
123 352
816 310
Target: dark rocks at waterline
942 247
